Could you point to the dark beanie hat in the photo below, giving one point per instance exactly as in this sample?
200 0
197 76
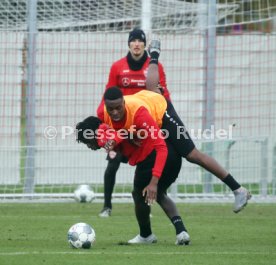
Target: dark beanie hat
137 34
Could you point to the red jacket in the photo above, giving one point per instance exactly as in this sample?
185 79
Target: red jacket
154 141
130 81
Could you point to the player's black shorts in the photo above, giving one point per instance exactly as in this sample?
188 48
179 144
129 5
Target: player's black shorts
178 135
143 172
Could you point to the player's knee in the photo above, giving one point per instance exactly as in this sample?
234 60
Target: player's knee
161 196
194 156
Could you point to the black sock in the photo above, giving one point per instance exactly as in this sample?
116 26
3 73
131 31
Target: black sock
154 57
155 61
109 181
231 182
178 224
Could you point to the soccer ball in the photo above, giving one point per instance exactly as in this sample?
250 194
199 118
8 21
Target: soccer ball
84 193
81 235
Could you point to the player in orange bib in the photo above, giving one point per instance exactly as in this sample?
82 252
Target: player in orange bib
145 111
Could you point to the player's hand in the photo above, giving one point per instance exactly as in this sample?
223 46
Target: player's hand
112 154
110 145
150 191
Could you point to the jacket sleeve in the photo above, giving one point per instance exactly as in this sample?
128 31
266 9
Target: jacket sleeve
105 133
144 121
112 81
163 81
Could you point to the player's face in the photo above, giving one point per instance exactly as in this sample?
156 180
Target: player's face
137 48
115 109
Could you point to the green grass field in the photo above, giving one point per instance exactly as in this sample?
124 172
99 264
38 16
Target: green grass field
36 234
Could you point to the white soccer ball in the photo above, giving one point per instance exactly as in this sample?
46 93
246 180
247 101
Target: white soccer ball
81 235
84 193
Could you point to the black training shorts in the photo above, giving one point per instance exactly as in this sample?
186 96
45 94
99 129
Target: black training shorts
143 172
178 135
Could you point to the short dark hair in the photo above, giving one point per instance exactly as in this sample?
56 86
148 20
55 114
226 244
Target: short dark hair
90 123
113 93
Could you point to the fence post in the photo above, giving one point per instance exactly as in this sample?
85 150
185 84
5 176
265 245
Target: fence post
146 16
264 166
274 171
209 88
30 97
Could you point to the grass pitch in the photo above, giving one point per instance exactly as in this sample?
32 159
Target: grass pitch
36 234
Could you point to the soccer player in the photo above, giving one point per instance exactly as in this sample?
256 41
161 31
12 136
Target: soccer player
157 167
129 74
144 111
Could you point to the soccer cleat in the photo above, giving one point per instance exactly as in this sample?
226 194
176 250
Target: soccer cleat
143 240
106 212
182 238
154 48
242 195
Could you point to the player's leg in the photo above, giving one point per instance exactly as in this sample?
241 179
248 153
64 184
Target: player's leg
170 173
169 207
142 212
152 79
143 174
182 142
178 136
241 194
113 165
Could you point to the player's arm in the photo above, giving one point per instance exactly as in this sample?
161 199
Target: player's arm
108 138
113 76
144 121
112 81
163 82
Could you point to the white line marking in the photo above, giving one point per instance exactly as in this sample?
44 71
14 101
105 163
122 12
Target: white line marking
92 252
